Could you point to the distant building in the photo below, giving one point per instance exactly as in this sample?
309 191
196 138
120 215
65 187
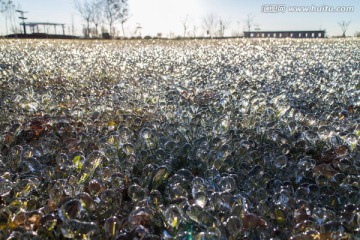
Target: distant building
34 26
42 30
284 34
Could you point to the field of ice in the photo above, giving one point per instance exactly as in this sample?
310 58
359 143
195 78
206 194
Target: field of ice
166 139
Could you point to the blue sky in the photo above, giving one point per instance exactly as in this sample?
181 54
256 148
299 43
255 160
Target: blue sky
165 16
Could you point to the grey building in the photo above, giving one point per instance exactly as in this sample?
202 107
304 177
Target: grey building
284 34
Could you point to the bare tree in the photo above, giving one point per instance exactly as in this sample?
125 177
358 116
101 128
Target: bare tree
5 4
124 17
223 25
114 11
14 28
209 24
7 8
194 30
185 22
85 9
344 26
249 21
97 15
72 25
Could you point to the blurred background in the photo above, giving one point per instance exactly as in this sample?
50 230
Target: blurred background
178 18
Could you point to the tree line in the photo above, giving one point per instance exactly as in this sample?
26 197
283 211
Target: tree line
97 12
